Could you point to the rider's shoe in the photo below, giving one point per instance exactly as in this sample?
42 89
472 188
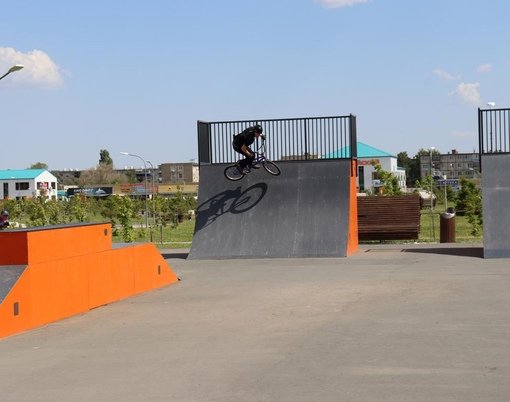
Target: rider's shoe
256 166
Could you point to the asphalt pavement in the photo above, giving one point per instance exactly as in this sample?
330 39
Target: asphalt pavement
391 323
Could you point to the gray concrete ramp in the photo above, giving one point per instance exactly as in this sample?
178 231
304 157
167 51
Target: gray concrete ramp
304 212
9 275
496 205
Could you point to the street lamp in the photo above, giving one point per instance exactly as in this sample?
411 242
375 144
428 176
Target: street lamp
431 193
145 173
445 194
152 192
431 178
17 67
491 105
475 172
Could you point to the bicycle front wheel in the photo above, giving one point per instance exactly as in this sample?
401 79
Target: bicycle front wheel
231 172
271 168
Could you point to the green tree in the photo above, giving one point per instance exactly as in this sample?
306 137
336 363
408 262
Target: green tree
125 215
469 203
55 212
36 212
39 165
104 158
388 180
405 162
78 209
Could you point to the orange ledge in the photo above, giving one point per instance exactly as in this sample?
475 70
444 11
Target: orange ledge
54 272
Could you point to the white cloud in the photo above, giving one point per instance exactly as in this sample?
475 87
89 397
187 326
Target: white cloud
484 68
468 92
339 3
39 70
444 75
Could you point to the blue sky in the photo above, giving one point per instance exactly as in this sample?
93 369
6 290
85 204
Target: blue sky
136 76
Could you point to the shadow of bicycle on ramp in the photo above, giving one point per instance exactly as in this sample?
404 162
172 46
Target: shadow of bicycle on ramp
229 202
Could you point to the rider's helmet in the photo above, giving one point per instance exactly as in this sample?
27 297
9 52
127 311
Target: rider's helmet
258 128
5 213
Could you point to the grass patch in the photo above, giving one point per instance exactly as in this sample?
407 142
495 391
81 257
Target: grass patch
430 227
170 236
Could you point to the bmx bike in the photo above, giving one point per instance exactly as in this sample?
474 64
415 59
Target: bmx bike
234 172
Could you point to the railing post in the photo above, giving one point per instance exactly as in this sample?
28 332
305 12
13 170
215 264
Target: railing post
305 131
353 137
204 142
480 138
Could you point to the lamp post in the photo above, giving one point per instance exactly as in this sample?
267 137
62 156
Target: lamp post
491 105
445 194
476 173
152 192
431 179
145 174
17 67
431 194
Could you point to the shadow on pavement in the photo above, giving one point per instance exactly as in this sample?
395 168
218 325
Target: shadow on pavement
177 255
475 252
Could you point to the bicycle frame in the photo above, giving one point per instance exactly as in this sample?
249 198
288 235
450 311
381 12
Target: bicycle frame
260 153
259 158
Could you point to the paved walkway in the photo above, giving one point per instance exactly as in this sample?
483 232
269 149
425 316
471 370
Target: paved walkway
392 323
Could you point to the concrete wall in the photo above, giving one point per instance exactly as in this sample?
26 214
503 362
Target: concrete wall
496 205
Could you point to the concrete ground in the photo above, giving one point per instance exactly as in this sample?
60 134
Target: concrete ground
391 323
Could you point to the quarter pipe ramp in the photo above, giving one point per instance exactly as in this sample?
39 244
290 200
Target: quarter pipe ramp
307 211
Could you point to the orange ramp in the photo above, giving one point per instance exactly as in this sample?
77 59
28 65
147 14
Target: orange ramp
54 272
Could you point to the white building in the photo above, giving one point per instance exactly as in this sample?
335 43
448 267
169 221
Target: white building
27 183
367 176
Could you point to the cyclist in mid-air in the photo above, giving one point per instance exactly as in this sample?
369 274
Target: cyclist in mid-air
242 142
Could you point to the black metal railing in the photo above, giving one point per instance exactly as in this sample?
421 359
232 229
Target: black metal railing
494 131
307 138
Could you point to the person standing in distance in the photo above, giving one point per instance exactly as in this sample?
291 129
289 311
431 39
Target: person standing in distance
4 219
242 142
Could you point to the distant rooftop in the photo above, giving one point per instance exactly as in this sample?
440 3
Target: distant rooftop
20 174
364 151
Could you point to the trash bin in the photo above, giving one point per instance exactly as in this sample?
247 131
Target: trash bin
447 226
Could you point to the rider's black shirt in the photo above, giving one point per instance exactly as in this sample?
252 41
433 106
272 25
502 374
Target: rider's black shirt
246 137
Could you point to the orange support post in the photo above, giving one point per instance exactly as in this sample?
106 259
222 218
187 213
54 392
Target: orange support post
353 242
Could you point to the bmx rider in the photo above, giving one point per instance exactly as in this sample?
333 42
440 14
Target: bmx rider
241 144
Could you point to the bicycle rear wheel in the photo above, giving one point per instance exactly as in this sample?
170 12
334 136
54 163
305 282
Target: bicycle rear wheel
271 168
231 172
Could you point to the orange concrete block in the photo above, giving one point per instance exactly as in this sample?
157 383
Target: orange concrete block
72 241
82 272
59 289
14 248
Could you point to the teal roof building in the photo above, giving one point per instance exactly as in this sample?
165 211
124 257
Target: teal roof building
367 179
20 174
364 151
27 183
